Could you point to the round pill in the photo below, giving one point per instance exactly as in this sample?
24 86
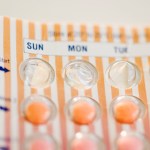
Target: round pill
86 141
83 110
83 113
131 141
80 74
123 74
84 144
37 112
36 73
42 145
127 109
38 109
40 142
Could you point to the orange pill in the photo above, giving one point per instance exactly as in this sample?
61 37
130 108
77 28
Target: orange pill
130 143
37 113
83 113
126 112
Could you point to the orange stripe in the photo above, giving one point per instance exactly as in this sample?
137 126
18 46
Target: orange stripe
147 36
101 93
31 27
102 100
60 91
135 35
84 37
7 75
141 86
115 91
74 92
123 40
122 35
127 91
47 91
32 36
44 31
96 33
83 33
109 34
19 56
70 31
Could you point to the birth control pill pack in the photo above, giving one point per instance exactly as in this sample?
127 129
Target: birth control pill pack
74 86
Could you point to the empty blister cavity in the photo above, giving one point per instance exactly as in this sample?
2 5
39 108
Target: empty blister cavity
36 73
127 109
131 141
38 109
40 141
80 74
83 110
86 141
123 74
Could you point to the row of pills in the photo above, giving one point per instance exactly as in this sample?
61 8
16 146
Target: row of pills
82 110
38 109
79 74
88 141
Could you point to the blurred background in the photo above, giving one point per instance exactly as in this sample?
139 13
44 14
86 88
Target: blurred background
102 11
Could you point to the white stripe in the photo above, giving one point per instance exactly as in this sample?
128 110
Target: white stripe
2 101
103 34
122 91
97 124
50 29
54 96
146 70
28 128
78 38
108 94
68 96
139 123
146 76
117 39
38 36
56 122
67 89
14 104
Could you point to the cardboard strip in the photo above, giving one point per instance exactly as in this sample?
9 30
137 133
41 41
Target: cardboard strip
115 91
47 91
60 91
19 56
74 92
141 86
84 38
7 86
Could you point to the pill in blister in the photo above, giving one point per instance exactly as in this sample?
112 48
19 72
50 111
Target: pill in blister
40 141
127 109
82 110
38 109
132 141
86 141
80 74
36 73
123 74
